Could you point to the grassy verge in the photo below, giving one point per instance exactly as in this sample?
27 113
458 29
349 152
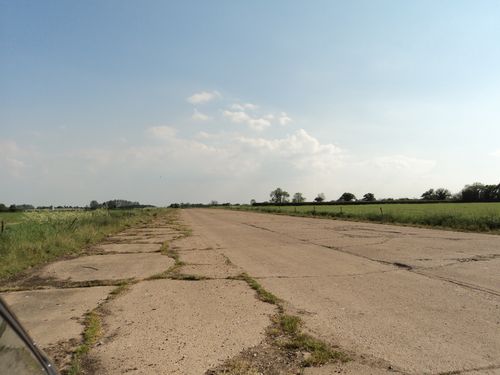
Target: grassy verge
473 217
42 237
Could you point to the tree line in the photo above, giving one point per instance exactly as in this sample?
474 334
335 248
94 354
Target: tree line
111 204
476 192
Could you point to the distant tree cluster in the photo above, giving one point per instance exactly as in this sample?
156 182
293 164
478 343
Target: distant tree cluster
440 194
116 203
16 207
476 192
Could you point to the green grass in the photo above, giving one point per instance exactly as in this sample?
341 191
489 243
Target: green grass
476 217
11 218
40 237
262 294
320 353
92 332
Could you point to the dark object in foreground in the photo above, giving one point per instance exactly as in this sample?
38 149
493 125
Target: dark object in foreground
18 353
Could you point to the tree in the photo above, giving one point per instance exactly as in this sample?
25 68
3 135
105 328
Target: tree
320 198
429 195
442 194
252 202
111 205
368 197
94 205
298 198
347 197
3 207
279 196
214 203
479 192
491 192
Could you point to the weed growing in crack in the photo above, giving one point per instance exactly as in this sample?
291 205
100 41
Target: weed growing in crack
262 294
286 348
120 289
91 333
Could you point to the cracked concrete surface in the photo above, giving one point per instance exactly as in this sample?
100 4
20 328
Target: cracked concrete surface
396 299
55 315
128 248
190 327
434 313
107 267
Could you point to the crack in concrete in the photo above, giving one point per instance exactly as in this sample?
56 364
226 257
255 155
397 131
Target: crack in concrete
400 265
458 372
323 276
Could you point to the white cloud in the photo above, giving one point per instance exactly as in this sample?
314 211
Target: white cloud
496 153
244 106
259 123
402 162
11 156
299 149
198 116
284 119
162 132
203 97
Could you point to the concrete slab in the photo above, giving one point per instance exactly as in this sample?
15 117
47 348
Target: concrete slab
154 239
484 274
150 231
179 327
213 271
108 267
55 315
129 248
349 368
193 242
204 257
417 324
343 279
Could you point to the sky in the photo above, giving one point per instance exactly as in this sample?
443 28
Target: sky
193 101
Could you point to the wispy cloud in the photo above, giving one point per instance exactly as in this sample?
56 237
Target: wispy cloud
11 158
496 153
256 123
402 162
203 97
198 116
162 132
244 106
284 119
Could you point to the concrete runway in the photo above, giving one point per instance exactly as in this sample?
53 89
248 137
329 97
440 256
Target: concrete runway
404 299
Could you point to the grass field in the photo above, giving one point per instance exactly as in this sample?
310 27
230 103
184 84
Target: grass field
477 217
11 217
33 238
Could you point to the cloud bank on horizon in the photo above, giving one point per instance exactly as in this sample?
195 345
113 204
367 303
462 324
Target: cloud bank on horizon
236 164
177 102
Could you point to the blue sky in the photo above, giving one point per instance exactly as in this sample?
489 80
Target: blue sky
162 101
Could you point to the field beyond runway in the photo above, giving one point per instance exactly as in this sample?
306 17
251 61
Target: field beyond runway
412 300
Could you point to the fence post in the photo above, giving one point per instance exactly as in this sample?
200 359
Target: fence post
381 212
3 225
